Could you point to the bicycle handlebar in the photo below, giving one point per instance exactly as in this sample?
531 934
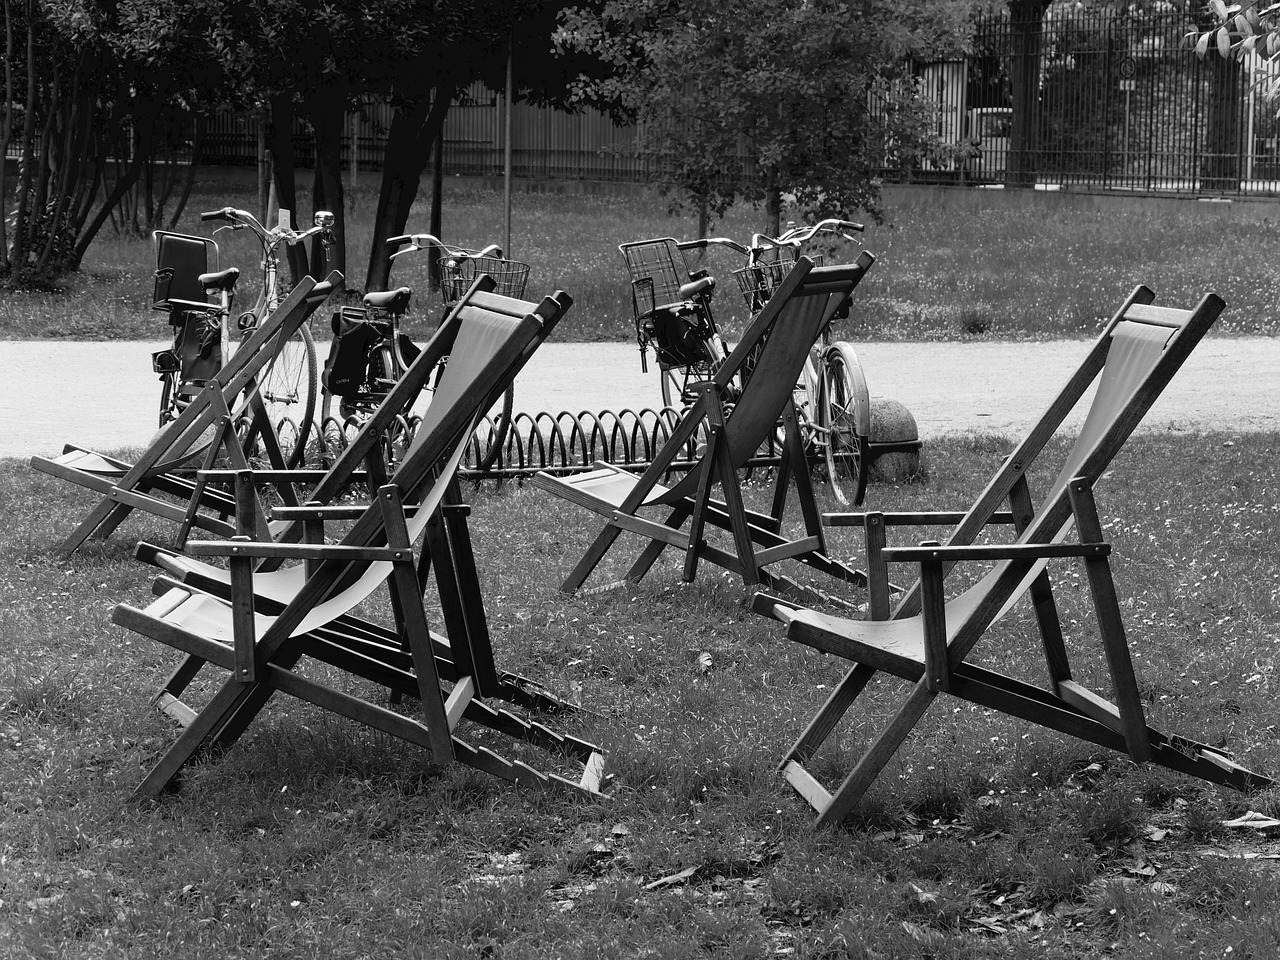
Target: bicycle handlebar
795 236
702 244
238 219
418 241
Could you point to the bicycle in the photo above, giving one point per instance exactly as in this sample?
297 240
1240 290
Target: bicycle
288 385
370 354
672 309
675 318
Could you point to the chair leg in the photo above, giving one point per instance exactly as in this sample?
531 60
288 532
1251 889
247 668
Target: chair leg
195 737
702 497
882 749
650 554
591 559
1110 624
738 521
103 519
837 705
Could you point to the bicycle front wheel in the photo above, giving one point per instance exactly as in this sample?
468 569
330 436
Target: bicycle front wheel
288 387
844 419
491 436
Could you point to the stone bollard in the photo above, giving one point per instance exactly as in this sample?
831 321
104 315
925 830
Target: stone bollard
893 425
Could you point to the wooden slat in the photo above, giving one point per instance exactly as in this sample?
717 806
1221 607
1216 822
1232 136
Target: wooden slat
287 551
904 518
463 693
172 707
997 551
649 528
592 773
784 551
805 784
1162 316
933 618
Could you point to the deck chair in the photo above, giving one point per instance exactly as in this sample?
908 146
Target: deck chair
316 598
926 640
160 481
779 340
361 461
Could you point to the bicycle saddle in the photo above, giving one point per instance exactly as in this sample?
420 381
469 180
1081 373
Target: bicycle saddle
222 280
697 288
393 301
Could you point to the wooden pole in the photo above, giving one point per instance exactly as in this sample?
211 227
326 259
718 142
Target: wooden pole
506 158
355 150
264 165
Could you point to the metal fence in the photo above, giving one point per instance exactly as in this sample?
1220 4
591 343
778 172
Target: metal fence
546 144
1086 99
1113 101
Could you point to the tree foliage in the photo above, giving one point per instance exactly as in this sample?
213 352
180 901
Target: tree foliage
97 89
1239 31
746 99
93 90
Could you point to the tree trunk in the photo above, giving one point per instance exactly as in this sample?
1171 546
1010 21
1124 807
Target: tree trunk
436 223
327 115
773 211
126 182
413 132
6 130
281 137
1026 20
197 147
18 258
76 133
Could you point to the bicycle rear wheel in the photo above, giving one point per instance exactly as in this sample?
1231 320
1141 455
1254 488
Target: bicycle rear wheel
844 419
288 387
490 443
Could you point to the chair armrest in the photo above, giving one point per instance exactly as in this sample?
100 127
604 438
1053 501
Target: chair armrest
995 551
906 518
775 608
276 476
316 511
340 511
288 551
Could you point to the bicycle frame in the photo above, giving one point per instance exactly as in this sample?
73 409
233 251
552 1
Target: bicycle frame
382 314
288 384
833 414
270 240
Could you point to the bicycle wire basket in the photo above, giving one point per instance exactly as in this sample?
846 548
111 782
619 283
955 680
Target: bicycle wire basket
457 273
757 282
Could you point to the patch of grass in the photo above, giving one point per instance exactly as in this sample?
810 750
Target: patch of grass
941 274
1107 817
985 836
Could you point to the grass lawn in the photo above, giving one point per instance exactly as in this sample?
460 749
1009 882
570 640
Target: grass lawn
942 274
985 837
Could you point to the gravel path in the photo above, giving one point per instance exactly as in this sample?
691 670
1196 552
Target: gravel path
104 395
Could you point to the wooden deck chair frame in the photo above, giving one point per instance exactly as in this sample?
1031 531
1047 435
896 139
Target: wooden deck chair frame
361 459
448 543
926 639
159 481
781 336
263 650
